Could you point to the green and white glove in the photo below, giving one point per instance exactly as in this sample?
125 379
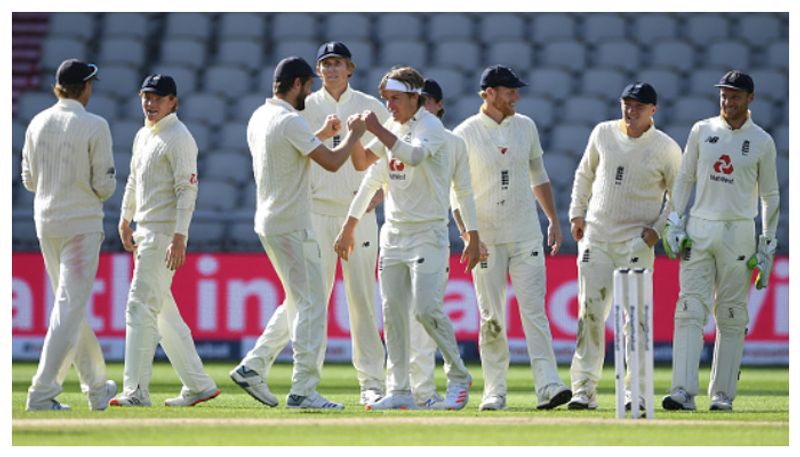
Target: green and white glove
762 260
674 237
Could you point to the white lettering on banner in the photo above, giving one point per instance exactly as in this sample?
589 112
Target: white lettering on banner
21 305
559 308
207 293
238 293
95 322
120 282
781 273
469 320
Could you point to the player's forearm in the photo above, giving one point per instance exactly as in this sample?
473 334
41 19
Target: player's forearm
770 214
544 195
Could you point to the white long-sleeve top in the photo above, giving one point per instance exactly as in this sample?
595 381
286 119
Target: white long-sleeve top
504 162
162 188
67 162
416 199
280 141
461 196
731 169
620 183
331 193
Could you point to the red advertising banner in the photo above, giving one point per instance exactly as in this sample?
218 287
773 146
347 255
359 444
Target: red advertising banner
230 297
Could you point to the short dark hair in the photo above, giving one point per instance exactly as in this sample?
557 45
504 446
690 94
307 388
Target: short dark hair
283 86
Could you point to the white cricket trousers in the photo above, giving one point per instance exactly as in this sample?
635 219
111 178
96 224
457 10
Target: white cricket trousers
71 264
597 261
412 279
713 277
296 259
360 288
523 261
152 314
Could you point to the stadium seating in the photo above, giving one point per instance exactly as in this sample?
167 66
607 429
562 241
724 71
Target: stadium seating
576 64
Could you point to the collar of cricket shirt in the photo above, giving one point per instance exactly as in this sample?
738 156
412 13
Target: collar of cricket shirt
345 97
491 123
623 132
746 125
71 103
165 122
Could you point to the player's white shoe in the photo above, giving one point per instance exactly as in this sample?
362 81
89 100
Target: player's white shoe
370 395
98 401
679 399
583 400
313 401
553 395
720 402
493 403
457 395
138 398
393 401
253 383
186 398
49 405
435 402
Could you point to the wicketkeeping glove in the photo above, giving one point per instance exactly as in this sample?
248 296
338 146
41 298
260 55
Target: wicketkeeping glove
674 237
762 260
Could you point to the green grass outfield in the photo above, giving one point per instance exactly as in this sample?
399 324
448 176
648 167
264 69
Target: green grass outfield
761 416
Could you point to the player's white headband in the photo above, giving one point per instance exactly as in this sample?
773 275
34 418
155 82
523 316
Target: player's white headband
393 84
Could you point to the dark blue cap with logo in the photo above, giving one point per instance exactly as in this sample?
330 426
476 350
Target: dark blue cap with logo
641 92
432 89
292 67
333 49
74 71
500 75
162 85
735 79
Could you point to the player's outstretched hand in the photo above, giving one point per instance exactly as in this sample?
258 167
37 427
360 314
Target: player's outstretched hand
175 256
356 125
576 227
554 237
126 235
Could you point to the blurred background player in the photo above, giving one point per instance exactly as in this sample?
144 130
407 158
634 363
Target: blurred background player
68 211
160 197
508 175
283 146
422 365
414 167
331 194
731 161
615 216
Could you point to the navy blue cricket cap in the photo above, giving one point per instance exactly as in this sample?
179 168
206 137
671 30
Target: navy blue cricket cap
333 49
162 85
74 71
291 68
432 89
641 92
735 79
500 75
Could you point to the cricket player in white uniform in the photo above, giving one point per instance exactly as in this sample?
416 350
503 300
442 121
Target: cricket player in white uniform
67 162
283 146
615 216
508 175
414 167
331 194
160 197
422 365
731 161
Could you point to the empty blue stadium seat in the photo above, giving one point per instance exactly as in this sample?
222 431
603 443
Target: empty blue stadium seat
195 26
617 54
302 48
362 54
501 27
245 54
549 27
666 82
516 54
702 81
126 25
246 26
123 133
606 83
233 137
570 138
549 82
539 109
246 105
227 81
778 55
404 52
561 170
79 26
759 29
692 109
232 167
56 49
120 81
31 103
181 51
346 27
585 110
104 106
398 26
599 27
650 28
676 55
728 55
185 78
771 83
293 26
570 55
450 27
451 81
203 107
704 28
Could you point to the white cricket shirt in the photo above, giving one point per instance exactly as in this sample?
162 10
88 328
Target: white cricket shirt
461 195
162 188
416 199
331 193
620 182
280 141
67 162
731 168
500 157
